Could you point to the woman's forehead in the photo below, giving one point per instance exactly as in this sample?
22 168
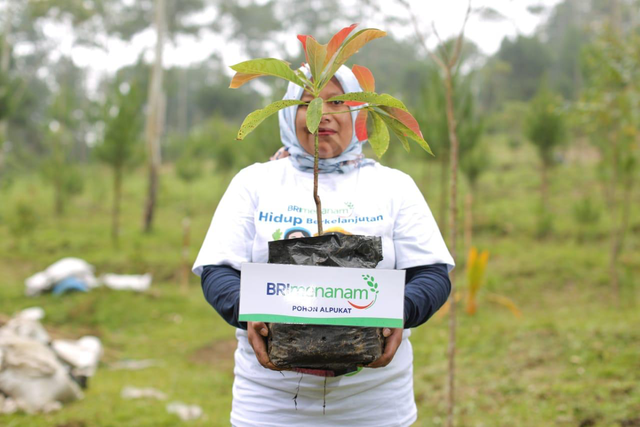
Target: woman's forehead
332 88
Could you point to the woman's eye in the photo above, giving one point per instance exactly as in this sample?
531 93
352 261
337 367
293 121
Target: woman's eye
337 102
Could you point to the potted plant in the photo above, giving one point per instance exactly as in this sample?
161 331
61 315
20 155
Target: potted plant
336 348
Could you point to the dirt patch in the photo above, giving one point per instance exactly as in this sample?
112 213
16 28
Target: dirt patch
218 354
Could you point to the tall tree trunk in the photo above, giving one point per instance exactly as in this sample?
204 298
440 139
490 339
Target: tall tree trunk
155 117
453 218
544 188
115 213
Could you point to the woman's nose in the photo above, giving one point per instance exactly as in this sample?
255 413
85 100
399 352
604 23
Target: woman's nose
325 109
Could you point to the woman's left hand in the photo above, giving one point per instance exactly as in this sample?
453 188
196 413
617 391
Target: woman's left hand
393 338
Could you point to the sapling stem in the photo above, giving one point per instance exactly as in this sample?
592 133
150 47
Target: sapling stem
316 197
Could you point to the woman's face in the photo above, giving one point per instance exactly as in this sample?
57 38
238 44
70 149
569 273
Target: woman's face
335 131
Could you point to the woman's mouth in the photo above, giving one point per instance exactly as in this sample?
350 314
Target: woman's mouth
323 131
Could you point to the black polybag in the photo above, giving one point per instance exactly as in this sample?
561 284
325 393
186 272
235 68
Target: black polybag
340 349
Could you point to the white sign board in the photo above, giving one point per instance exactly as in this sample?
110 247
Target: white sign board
281 293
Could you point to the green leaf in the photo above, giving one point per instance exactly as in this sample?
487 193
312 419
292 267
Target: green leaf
371 98
314 114
379 138
398 127
397 132
316 54
255 118
268 67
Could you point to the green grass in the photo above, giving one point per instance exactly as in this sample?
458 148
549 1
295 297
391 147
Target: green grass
572 359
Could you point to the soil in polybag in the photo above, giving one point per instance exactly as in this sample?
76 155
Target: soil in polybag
340 349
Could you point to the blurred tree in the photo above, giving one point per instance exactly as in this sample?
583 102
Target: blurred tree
120 147
433 117
611 110
255 24
125 20
71 106
56 168
474 158
514 72
545 128
196 93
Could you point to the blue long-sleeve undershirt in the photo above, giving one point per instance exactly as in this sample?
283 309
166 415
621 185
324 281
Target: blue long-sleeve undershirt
427 288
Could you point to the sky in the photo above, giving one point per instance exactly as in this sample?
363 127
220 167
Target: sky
487 34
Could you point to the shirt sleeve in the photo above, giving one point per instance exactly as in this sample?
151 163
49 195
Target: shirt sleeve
229 240
426 290
416 237
221 289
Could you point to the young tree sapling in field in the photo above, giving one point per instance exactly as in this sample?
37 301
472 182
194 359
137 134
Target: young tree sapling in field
121 147
545 128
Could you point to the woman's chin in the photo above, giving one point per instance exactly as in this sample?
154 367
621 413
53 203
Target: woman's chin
326 150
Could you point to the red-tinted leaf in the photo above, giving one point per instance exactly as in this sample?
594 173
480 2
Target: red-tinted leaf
241 78
303 40
361 125
406 119
356 42
336 41
365 78
354 103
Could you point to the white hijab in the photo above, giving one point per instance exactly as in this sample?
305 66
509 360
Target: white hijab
351 158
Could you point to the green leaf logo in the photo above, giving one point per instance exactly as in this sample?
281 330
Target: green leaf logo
371 281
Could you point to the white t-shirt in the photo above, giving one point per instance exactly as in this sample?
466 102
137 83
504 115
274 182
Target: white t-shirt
274 200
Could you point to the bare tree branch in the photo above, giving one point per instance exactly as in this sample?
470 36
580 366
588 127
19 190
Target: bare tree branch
419 35
442 48
458 48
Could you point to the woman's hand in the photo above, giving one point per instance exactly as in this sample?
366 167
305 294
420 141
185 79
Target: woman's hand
257 331
393 338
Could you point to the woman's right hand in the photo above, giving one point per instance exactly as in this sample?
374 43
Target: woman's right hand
257 331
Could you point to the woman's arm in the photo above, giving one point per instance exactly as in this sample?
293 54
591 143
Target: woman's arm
221 288
427 288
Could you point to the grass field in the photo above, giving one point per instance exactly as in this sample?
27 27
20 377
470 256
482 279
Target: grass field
572 359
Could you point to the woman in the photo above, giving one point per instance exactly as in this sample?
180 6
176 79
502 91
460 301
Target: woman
378 201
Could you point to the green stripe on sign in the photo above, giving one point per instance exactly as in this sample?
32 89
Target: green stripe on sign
344 321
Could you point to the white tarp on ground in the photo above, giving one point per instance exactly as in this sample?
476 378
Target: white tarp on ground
60 270
26 324
82 355
185 412
129 282
83 273
34 376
